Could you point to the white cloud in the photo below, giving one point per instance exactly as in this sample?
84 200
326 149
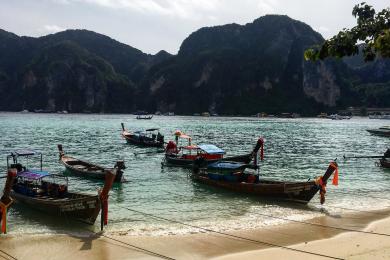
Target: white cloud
323 29
186 9
267 6
51 29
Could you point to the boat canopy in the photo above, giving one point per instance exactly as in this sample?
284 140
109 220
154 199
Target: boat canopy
152 129
185 136
182 135
33 175
190 147
211 149
24 152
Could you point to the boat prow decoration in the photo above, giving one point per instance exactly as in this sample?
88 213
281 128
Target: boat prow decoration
103 195
6 200
322 180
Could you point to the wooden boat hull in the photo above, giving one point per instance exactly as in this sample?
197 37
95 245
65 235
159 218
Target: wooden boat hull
301 192
379 132
142 142
78 206
385 163
246 158
85 169
140 117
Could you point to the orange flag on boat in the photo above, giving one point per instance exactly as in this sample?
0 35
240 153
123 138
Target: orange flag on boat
335 180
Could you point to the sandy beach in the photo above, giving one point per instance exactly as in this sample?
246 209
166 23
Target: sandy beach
311 238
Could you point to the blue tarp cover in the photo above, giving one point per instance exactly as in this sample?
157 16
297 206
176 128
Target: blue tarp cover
33 175
225 165
211 149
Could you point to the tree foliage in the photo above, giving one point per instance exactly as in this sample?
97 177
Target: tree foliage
372 29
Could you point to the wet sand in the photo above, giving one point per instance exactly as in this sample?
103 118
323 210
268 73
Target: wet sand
318 239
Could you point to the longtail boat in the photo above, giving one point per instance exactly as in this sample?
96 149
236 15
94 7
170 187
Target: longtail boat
49 193
144 117
250 183
87 169
381 131
150 137
176 155
385 162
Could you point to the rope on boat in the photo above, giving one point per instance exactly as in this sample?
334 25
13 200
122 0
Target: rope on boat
8 255
234 236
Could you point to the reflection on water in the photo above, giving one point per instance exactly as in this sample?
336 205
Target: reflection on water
295 149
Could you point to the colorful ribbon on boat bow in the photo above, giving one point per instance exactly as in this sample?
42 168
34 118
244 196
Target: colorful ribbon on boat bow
322 184
335 180
319 182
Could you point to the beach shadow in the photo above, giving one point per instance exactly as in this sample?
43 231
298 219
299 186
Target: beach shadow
87 241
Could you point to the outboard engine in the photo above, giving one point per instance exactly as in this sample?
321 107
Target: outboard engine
160 138
198 164
120 165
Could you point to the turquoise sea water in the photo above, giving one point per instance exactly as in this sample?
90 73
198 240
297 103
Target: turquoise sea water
295 149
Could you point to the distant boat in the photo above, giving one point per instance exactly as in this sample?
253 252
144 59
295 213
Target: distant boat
289 115
147 117
338 117
150 137
379 116
323 115
206 114
43 111
62 112
381 131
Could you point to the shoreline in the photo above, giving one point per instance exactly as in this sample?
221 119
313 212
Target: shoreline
210 245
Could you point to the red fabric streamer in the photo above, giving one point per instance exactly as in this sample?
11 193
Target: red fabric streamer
335 180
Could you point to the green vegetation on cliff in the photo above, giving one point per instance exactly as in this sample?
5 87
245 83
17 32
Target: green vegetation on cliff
229 69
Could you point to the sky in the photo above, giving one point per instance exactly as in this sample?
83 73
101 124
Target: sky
154 25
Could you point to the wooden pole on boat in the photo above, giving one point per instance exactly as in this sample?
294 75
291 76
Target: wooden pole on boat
6 200
322 181
259 144
60 150
123 127
110 177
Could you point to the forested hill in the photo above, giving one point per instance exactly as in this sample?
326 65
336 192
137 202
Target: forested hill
230 69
